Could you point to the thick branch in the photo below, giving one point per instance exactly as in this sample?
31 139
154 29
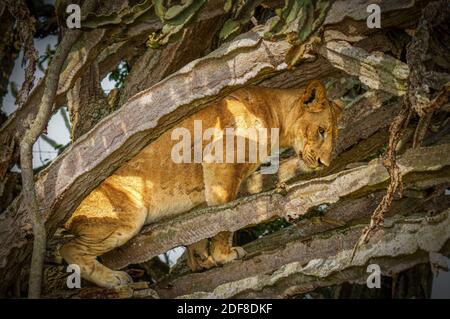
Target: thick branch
377 70
304 255
86 102
304 264
156 64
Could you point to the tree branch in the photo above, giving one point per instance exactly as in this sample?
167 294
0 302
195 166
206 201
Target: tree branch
106 46
377 70
303 264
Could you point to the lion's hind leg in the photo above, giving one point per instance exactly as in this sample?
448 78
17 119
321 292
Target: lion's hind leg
81 253
95 236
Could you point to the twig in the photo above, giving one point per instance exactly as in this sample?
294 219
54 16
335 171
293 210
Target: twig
26 30
51 142
26 156
421 129
65 118
396 130
421 78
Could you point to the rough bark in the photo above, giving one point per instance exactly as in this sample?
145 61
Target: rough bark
413 283
350 17
86 102
138 290
25 32
305 264
376 70
156 64
9 189
314 253
9 49
427 56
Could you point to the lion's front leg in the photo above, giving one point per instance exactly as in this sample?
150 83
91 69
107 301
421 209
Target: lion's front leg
222 249
199 256
222 182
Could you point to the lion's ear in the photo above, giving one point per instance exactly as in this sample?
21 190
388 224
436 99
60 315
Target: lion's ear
338 106
314 97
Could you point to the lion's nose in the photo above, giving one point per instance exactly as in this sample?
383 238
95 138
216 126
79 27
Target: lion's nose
324 162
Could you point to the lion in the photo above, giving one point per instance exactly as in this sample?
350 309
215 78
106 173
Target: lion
152 186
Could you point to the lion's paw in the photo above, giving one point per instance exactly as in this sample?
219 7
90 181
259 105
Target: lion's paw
114 279
240 252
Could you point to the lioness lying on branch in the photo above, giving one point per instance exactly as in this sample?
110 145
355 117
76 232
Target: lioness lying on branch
161 182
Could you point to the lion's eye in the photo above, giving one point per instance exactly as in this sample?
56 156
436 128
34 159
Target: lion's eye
321 131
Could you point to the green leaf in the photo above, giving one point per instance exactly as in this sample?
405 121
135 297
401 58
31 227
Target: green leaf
228 5
229 28
175 19
303 17
160 9
241 16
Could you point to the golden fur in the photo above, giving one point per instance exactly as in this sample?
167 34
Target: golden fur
151 186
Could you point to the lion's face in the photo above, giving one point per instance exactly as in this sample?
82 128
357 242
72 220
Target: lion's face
316 128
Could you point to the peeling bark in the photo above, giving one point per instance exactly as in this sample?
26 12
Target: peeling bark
156 64
87 103
301 257
376 70
324 260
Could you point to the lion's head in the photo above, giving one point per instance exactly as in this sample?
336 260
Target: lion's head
315 129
